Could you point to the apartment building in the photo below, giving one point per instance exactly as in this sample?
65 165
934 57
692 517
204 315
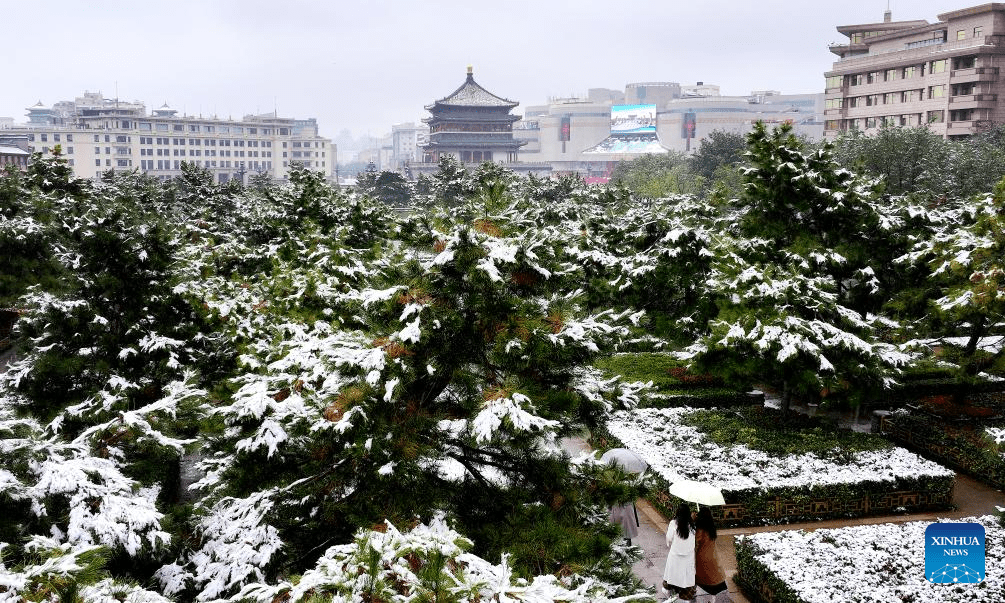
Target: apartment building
96 134
945 75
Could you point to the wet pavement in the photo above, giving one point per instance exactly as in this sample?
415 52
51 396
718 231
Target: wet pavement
971 497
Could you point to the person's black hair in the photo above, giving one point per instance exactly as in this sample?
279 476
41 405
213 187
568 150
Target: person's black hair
704 521
683 519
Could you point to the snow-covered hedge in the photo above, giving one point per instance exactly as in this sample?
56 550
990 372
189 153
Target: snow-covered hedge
968 448
883 562
756 479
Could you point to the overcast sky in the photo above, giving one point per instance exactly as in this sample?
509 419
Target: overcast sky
364 65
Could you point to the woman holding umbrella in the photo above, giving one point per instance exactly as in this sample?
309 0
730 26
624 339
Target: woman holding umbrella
678 575
681 568
625 514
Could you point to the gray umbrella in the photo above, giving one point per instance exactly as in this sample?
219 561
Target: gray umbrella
628 460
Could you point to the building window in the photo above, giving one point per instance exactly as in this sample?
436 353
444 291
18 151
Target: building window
977 31
97 162
45 138
69 150
69 138
937 91
963 89
55 137
965 62
939 66
936 117
888 98
961 34
889 75
961 115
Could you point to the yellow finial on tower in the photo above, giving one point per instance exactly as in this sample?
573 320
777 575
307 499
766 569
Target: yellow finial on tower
470 69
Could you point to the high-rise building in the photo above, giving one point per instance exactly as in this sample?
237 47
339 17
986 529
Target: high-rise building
944 75
96 134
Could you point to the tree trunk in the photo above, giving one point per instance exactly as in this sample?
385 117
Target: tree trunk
786 397
969 367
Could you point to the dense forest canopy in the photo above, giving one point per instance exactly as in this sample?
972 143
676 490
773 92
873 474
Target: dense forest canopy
292 390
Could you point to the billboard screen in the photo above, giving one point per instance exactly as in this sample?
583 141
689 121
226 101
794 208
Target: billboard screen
633 119
565 129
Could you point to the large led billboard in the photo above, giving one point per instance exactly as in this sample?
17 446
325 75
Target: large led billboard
633 119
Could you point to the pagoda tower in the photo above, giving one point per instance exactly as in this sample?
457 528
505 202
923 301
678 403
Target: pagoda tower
473 125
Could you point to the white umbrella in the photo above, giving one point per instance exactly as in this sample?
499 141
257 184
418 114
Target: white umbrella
628 460
697 492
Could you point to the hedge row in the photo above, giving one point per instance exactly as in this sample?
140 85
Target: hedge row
758 582
808 503
708 398
964 448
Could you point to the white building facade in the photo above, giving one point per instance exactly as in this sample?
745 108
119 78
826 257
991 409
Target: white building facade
95 135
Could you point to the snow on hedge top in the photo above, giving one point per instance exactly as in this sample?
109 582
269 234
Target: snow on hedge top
678 451
884 562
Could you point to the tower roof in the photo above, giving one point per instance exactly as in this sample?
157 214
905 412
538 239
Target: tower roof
470 94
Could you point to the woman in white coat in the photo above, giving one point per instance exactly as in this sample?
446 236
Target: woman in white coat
678 575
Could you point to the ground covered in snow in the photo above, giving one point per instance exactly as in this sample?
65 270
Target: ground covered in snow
884 562
677 451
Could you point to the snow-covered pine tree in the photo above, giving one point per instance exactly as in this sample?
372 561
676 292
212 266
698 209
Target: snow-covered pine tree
797 282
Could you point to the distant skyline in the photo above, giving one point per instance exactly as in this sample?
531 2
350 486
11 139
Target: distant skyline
364 66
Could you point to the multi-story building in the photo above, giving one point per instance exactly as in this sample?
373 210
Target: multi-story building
96 134
579 135
407 141
737 114
473 125
12 155
907 73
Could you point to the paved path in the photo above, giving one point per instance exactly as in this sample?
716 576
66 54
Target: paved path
971 497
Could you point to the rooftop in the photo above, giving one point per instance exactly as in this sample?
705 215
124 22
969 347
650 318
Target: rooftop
471 94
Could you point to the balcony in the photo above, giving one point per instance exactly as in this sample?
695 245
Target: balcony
954 128
973 74
973 101
871 61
